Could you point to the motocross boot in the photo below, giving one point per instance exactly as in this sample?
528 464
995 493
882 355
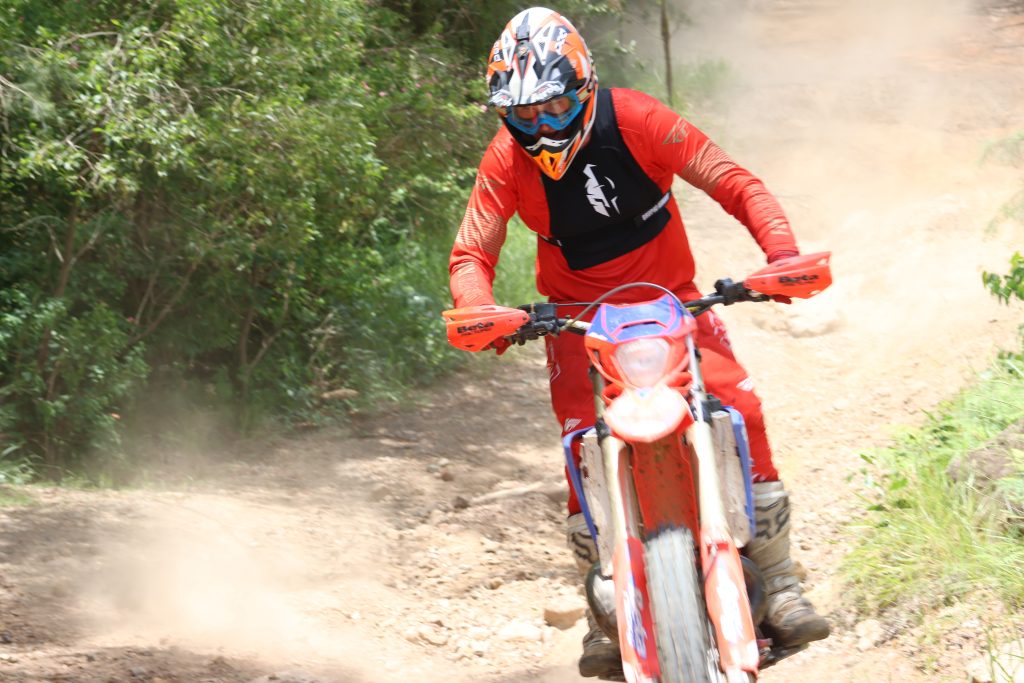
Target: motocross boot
791 617
601 655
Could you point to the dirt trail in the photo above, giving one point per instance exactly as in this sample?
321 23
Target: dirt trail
367 555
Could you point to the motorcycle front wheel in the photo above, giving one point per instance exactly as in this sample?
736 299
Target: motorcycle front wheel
682 631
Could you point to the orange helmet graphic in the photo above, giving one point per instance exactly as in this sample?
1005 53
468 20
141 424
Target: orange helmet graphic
542 82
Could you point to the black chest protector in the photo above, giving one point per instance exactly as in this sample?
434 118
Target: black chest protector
605 205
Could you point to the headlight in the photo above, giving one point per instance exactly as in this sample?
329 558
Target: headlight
643 361
647 414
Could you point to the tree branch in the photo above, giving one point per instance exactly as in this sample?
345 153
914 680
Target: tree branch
168 307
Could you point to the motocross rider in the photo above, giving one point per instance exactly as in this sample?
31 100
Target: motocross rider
590 170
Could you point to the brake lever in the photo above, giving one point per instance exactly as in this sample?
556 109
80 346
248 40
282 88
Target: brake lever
730 291
543 321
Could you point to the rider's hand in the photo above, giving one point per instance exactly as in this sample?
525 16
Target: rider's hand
500 345
778 256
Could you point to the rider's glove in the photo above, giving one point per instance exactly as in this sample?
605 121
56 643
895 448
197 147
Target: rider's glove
778 256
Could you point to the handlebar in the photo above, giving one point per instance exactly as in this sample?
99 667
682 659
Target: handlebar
544 319
726 293
475 328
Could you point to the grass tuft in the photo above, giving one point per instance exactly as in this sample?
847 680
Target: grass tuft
929 541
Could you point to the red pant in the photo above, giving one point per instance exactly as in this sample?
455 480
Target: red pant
573 400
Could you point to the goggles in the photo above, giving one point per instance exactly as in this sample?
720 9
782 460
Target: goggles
556 113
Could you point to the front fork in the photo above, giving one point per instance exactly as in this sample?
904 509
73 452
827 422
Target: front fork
724 587
632 607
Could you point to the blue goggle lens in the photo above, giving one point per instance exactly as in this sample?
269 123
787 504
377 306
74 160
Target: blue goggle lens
557 113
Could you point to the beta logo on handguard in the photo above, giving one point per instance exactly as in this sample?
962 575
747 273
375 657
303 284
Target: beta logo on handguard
476 327
798 280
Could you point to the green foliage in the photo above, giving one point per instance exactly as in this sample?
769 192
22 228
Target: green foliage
702 81
928 538
13 497
1011 488
192 192
230 208
516 282
62 397
472 26
1009 285
1009 151
15 472
385 338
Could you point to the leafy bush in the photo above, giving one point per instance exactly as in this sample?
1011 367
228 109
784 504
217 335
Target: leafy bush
1010 285
230 207
68 376
192 190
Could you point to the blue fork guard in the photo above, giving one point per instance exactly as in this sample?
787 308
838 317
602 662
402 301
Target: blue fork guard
576 478
739 430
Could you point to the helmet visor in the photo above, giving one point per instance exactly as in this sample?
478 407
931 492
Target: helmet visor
556 113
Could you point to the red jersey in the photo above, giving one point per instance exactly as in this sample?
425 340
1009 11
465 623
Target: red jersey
663 145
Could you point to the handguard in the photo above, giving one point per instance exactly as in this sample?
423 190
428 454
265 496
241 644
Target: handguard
474 328
800 277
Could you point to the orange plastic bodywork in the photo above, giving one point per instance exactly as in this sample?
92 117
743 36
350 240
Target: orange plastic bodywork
665 480
799 277
474 328
728 604
636 635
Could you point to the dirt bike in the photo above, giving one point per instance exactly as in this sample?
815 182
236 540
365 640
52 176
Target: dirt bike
664 477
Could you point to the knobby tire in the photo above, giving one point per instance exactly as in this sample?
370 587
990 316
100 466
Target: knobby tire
681 626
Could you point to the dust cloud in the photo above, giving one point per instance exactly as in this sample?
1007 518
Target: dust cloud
211 573
869 120
881 89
